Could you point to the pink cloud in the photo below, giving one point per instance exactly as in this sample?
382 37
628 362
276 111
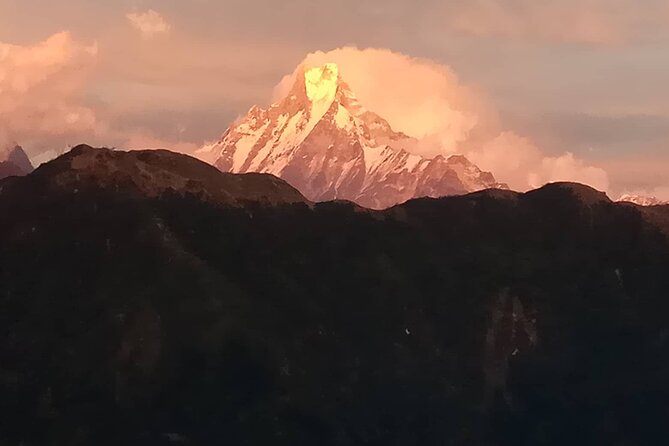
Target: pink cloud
520 163
149 23
41 89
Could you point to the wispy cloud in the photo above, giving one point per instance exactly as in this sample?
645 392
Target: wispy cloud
149 23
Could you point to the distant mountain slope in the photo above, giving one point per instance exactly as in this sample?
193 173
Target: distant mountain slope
137 310
641 200
324 142
14 162
8 169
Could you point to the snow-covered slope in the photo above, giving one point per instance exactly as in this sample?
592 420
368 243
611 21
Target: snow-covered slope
326 144
641 200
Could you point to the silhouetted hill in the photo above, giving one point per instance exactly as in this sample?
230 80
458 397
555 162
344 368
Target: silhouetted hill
152 173
146 298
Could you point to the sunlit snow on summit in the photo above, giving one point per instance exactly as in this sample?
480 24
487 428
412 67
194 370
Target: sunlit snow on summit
321 82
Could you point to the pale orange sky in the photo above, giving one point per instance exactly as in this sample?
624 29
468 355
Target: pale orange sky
558 88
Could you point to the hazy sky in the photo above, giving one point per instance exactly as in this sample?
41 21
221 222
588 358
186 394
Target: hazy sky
572 86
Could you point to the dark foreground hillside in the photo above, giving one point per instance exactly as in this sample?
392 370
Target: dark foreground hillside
146 299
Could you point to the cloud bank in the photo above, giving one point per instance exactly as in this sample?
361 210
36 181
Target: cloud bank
41 90
45 104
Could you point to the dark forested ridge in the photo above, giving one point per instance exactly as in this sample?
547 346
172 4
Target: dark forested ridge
147 299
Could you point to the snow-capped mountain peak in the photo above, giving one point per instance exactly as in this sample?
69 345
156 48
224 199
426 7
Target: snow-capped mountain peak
641 200
324 142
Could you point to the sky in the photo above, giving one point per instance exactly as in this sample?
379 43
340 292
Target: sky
534 90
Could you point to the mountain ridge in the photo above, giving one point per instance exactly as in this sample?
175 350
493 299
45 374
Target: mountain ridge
151 173
142 314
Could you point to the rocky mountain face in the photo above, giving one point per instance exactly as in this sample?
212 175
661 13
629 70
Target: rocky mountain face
325 143
14 162
137 310
641 200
